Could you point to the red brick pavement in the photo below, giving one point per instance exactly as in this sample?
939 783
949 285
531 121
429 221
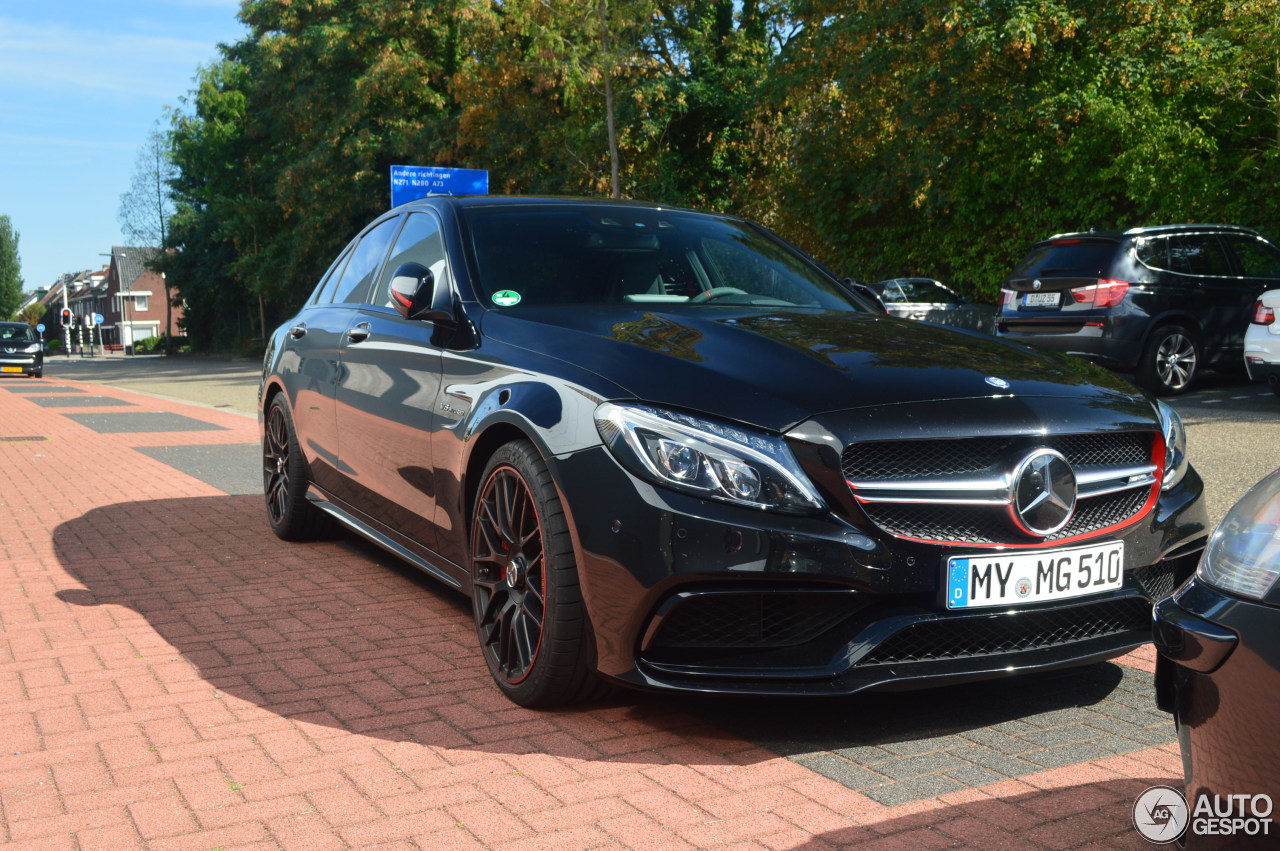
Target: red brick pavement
175 677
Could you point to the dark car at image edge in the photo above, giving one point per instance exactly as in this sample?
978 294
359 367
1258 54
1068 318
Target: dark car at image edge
1162 302
665 449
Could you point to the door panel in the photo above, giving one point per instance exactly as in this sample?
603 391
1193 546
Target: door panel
385 400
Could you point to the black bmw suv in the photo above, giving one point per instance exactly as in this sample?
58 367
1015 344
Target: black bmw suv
666 449
1162 302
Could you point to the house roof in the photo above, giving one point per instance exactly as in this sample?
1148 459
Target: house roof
131 261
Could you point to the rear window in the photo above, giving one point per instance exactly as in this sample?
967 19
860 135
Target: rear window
1068 259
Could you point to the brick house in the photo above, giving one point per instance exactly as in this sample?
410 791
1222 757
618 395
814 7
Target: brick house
129 297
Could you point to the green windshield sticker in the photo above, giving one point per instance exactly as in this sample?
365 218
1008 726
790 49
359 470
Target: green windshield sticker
506 298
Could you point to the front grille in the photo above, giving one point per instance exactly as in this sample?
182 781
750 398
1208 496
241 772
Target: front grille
889 460
960 638
984 524
1157 580
756 619
865 464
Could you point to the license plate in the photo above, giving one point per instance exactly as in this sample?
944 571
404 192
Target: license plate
10 369
1001 579
1041 299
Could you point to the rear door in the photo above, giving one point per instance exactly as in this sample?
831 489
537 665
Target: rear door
1258 262
1218 297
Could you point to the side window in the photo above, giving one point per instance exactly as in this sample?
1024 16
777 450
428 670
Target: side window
1153 251
1258 259
324 290
366 260
893 294
1197 254
419 242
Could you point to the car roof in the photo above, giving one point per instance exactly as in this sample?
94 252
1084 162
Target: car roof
1152 230
462 201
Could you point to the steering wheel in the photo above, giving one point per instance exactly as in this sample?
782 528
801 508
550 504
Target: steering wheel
715 292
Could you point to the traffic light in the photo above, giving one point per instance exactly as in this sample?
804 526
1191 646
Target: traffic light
66 316
79 319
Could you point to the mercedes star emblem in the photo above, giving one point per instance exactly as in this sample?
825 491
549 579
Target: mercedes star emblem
1044 493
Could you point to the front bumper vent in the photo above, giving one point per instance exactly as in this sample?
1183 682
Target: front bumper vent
969 637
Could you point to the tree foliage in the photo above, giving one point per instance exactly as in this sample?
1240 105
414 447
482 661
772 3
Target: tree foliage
10 269
914 137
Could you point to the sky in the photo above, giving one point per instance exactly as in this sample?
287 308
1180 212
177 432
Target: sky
82 84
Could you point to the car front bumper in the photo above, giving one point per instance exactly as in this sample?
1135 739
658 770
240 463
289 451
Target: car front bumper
21 363
1220 688
693 595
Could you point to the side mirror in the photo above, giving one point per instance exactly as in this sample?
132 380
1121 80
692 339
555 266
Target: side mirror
417 294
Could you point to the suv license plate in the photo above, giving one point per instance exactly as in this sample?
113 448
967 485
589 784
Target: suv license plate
1041 299
998 580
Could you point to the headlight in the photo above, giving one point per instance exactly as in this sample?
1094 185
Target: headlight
1243 556
33 348
708 459
1175 445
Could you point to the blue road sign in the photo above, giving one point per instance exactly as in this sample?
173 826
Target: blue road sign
409 182
97 319
40 327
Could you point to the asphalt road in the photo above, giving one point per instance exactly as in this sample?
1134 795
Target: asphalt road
1233 426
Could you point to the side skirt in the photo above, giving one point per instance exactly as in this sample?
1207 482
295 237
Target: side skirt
365 530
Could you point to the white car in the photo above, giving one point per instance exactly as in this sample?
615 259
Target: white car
1262 341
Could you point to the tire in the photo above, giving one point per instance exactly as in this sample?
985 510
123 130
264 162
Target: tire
528 608
1170 361
284 481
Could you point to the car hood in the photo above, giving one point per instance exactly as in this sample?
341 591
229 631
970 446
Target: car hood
776 369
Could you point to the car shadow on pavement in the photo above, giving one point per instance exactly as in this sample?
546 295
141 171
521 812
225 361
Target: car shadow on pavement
339 634
1098 814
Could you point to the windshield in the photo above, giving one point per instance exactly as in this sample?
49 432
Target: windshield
17 334
599 254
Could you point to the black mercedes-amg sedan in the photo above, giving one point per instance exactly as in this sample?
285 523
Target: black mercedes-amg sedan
666 449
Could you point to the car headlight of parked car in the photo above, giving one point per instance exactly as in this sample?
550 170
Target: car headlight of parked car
1243 556
1175 443
705 458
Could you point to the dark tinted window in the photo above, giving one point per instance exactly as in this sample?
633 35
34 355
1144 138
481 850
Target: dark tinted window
1153 251
419 242
602 254
1258 259
324 289
1197 254
357 278
1085 259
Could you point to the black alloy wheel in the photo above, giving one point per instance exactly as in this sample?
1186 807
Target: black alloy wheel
284 481
1170 362
525 596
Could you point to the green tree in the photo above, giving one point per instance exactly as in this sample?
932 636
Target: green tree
10 269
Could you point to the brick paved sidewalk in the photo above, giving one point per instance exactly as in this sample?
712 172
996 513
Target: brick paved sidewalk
173 676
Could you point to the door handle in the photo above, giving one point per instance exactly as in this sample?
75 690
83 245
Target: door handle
358 332
298 331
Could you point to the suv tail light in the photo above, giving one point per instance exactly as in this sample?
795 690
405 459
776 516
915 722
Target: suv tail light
1105 293
1007 297
1262 315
